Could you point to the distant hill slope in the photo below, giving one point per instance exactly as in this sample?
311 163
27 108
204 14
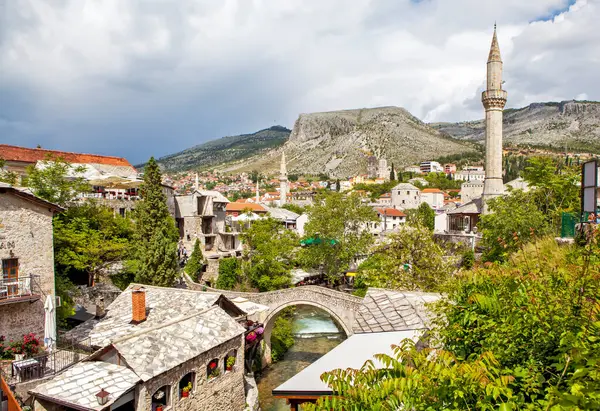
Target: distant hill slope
338 143
225 150
576 123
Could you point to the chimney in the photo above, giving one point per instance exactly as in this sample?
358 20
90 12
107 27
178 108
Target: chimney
100 308
138 304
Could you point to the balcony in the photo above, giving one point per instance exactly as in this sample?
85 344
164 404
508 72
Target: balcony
25 288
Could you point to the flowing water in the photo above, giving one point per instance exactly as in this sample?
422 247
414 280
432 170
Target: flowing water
315 335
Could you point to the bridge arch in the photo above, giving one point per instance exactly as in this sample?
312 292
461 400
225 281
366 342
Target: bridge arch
269 323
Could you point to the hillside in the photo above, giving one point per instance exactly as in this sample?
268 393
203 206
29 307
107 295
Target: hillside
338 143
576 123
225 150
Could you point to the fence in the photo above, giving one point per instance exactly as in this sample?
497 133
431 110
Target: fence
46 364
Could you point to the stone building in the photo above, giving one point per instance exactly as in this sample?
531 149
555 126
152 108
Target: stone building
202 215
157 349
406 196
27 258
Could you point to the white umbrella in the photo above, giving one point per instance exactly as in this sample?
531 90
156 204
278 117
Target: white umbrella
49 323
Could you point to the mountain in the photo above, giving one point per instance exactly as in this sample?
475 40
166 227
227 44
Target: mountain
575 123
225 150
338 143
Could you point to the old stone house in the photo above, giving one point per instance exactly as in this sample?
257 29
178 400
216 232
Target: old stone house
157 349
27 261
406 196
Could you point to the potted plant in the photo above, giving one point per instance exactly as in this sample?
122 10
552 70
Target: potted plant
185 392
18 350
230 363
215 373
159 408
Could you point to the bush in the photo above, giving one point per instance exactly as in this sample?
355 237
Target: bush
468 259
229 273
196 261
282 337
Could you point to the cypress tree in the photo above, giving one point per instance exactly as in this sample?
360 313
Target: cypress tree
155 247
392 173
195 262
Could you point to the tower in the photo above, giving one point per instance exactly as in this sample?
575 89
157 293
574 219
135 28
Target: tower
494 100
283 181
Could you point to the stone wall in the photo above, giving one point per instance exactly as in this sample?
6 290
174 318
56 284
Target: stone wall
224 393
26 234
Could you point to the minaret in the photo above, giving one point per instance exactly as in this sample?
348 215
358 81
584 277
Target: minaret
283 181
494 99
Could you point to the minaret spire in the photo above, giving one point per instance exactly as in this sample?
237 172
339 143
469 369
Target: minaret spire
283 181
494 100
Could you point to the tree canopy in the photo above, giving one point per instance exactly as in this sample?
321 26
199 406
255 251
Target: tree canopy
421 216
522 335
56 180
269 253
335 216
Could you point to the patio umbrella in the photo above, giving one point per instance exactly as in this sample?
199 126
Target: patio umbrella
49 323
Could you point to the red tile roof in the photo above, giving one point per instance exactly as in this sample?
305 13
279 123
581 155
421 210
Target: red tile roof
431 190
233 207
33 155
392 212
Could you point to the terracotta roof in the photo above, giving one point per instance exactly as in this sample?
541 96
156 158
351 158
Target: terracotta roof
392 212
386 195
244 206
431 190
33 155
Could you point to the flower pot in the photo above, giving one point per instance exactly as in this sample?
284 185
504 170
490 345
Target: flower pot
229 368
19 357
159 408
185 394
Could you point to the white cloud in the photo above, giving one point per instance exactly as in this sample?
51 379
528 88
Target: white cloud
150 77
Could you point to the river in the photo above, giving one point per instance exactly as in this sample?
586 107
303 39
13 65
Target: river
315 335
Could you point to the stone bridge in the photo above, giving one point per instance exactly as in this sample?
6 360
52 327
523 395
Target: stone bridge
342 307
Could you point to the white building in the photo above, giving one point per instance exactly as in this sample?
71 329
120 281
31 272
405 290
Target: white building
406 196
470 175
470 191
300 223
413 169
434 197
431 167
383 171
389 220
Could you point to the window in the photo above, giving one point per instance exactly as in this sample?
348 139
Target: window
212 369
122 212
187 384
161 399
230 359
10 275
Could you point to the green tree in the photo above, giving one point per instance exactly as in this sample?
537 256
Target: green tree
89 239
337 185
422 216
340 221
154 259
513 219
269 253
282 337
230 272
196 261
516 336
410 260
294 208
6 176
392 173
555 187
56 180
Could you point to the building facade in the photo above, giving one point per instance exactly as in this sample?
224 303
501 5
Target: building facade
406 196
434 197
431 167
27 258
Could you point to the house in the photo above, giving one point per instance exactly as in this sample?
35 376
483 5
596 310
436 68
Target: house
431 167
470 190
27 258
157 349
235 209
389 220
450 168
201 215
385 318
434 197
288 218
406 196
385 200
470 174
413 169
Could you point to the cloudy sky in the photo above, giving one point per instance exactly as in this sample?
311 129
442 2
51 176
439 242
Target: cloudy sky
151 77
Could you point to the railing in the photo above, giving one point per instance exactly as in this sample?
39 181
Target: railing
5 391
21 287
47 363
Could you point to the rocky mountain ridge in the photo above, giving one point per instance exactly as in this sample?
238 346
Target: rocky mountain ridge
338 143
551 124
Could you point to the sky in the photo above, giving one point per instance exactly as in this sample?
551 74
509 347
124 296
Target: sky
141 78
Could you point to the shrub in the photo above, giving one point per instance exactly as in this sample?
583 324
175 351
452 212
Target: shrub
229 273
